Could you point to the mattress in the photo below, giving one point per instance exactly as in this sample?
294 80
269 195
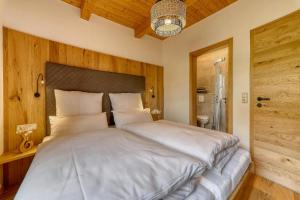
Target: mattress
222 185
200 193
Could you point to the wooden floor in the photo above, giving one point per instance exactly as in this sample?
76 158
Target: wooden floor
263 189
258 189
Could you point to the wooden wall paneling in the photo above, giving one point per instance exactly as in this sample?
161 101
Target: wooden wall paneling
275 69
151 81
25 57
160 90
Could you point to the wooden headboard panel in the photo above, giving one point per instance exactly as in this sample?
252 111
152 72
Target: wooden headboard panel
69 78
25 56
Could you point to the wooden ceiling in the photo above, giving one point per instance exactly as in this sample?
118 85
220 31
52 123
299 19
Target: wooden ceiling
136 13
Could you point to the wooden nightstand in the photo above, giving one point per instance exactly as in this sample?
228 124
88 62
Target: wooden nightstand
156 117
7 157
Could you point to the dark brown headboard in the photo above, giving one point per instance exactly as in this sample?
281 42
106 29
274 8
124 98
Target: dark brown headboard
69 78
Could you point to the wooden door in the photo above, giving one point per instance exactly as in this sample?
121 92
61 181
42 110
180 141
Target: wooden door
275 103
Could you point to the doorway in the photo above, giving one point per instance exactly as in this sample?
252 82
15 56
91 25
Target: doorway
211 87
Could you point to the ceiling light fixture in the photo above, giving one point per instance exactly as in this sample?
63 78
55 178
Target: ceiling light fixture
168 17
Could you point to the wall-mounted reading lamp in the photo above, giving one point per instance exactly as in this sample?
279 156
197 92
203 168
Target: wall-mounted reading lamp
40 76
152 92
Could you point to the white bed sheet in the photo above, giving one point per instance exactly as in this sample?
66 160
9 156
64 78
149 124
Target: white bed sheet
221 186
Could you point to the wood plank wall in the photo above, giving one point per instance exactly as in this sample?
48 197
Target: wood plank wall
25 57
275 126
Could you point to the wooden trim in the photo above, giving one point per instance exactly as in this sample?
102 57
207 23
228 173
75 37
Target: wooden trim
193 80
193 88
230 87
238 193
251 96
5 90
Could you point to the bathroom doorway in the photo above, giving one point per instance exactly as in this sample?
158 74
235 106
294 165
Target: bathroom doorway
211 87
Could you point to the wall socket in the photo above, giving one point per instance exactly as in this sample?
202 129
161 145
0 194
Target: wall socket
26 128
245 97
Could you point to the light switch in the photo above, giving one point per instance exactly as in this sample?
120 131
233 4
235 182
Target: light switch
244 97
26 128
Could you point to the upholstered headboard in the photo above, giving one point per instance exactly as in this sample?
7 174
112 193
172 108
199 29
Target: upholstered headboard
86 80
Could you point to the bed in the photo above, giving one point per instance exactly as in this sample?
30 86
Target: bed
84 159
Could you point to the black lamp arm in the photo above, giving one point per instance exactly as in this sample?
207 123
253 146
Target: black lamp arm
37 94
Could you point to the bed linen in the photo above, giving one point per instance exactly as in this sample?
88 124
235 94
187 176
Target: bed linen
208 146
198 192
221 186
107 164
77 124
134 116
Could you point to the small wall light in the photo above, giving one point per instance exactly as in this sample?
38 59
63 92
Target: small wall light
152 92
40 76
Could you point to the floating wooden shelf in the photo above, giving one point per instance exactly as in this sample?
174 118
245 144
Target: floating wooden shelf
13 156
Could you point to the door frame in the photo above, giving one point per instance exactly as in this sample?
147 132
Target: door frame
193 81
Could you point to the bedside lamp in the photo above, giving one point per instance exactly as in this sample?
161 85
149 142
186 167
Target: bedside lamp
152 92
40 76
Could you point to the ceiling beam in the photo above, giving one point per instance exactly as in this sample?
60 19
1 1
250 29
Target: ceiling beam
85 11
145 27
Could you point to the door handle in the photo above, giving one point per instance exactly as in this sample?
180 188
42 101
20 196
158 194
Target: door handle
259 105
263 99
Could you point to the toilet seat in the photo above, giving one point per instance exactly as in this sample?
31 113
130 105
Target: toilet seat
202 117
203 120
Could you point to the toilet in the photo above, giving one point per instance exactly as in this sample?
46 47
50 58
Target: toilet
202 120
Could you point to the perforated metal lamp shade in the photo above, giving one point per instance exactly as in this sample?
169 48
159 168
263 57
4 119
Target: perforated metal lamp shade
168 17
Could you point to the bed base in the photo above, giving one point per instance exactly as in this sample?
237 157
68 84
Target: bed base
239 192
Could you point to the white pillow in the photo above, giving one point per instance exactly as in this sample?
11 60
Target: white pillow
77 124
122 118
71 103
126 101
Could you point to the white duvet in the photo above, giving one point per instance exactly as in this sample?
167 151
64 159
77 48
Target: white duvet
108 164
209 146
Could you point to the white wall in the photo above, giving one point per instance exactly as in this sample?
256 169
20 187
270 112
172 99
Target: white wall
59 21
234 21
